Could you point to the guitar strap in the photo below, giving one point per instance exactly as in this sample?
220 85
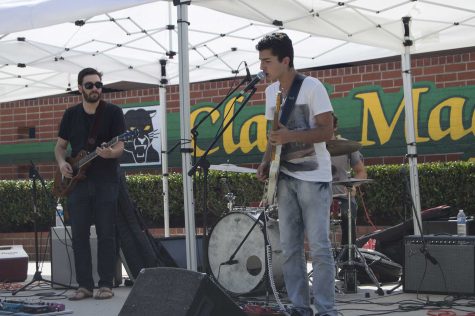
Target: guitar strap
291 98
91 139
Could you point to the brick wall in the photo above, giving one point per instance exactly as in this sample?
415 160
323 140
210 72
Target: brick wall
445 69
27 239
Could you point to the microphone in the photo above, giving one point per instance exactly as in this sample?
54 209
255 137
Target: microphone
248 73
229 262
254 81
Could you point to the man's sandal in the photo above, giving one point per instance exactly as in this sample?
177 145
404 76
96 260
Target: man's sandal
104 293
80 294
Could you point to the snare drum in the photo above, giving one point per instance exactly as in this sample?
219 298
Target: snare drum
248 273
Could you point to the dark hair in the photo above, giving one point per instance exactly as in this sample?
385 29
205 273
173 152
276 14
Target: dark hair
279 44
86 72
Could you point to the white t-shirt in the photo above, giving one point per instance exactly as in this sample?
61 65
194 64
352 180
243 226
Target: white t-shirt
308 162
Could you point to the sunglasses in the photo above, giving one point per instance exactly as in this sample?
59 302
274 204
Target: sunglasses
97 84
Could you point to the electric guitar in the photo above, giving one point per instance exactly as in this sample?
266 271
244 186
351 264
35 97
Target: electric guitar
271 186
63 186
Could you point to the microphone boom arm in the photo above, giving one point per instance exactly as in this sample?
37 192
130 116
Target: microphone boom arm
205 154
193 130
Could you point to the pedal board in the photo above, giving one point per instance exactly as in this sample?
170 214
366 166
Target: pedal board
30 307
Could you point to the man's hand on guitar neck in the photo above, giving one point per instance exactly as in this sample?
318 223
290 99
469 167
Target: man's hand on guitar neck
110 152
279 136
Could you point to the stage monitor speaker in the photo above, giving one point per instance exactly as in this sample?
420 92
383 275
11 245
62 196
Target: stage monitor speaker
446 265
178 292
62 258
391 240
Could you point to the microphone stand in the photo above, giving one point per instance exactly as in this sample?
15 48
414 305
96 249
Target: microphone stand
34 175
204 164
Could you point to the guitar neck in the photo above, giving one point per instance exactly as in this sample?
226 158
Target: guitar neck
90 156
275 123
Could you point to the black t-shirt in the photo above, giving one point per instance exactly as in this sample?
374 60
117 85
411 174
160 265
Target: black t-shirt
75 127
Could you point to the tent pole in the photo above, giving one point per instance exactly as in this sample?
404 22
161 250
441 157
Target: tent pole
410 129
183 65
164 140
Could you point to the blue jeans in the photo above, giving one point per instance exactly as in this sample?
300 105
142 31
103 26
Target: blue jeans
94 202
304 207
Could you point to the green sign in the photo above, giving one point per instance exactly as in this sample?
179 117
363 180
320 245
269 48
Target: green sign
444 117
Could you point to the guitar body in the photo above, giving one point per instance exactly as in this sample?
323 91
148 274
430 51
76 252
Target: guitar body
62 185
273 177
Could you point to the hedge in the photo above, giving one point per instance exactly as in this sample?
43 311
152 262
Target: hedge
384 199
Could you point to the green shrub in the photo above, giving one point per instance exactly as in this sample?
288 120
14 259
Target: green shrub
384 199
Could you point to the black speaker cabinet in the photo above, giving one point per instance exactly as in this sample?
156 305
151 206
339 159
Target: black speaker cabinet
444 265
175 246
178 292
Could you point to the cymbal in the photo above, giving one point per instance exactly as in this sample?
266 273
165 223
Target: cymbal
227 167
340 195
338 147
353 181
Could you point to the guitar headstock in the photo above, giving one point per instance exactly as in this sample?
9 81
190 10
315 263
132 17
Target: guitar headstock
129 135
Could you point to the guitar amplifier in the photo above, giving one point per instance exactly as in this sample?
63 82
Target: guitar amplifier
62 258
439 265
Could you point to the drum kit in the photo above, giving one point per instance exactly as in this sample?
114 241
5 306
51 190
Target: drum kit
237 254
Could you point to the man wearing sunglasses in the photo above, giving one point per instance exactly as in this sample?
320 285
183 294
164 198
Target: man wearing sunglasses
87 127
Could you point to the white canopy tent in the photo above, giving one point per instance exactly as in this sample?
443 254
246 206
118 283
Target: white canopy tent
46 42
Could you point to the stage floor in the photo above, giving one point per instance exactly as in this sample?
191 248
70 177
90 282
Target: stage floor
364 302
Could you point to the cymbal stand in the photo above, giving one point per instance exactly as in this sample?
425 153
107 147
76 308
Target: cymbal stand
230 197
349 267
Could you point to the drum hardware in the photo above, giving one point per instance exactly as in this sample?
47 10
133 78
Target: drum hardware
230 197
338 147
349 267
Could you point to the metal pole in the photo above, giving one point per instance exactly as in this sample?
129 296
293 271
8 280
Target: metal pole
183 63
164 139
410 130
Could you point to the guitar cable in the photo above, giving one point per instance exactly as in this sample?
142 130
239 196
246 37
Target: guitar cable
270 271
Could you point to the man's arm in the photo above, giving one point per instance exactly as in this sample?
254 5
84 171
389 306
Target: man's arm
60 155
322 132
262 172
359 170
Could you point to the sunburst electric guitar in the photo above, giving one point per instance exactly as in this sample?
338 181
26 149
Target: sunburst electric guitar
271 187
63 186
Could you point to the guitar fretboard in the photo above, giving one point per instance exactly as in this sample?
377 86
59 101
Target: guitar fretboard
90 156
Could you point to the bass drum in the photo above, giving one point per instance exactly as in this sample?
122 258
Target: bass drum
247 272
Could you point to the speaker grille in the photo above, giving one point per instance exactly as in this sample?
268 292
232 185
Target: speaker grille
454 271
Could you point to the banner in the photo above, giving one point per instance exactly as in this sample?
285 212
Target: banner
145 149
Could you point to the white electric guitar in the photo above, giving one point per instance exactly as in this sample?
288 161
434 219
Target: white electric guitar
271 186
